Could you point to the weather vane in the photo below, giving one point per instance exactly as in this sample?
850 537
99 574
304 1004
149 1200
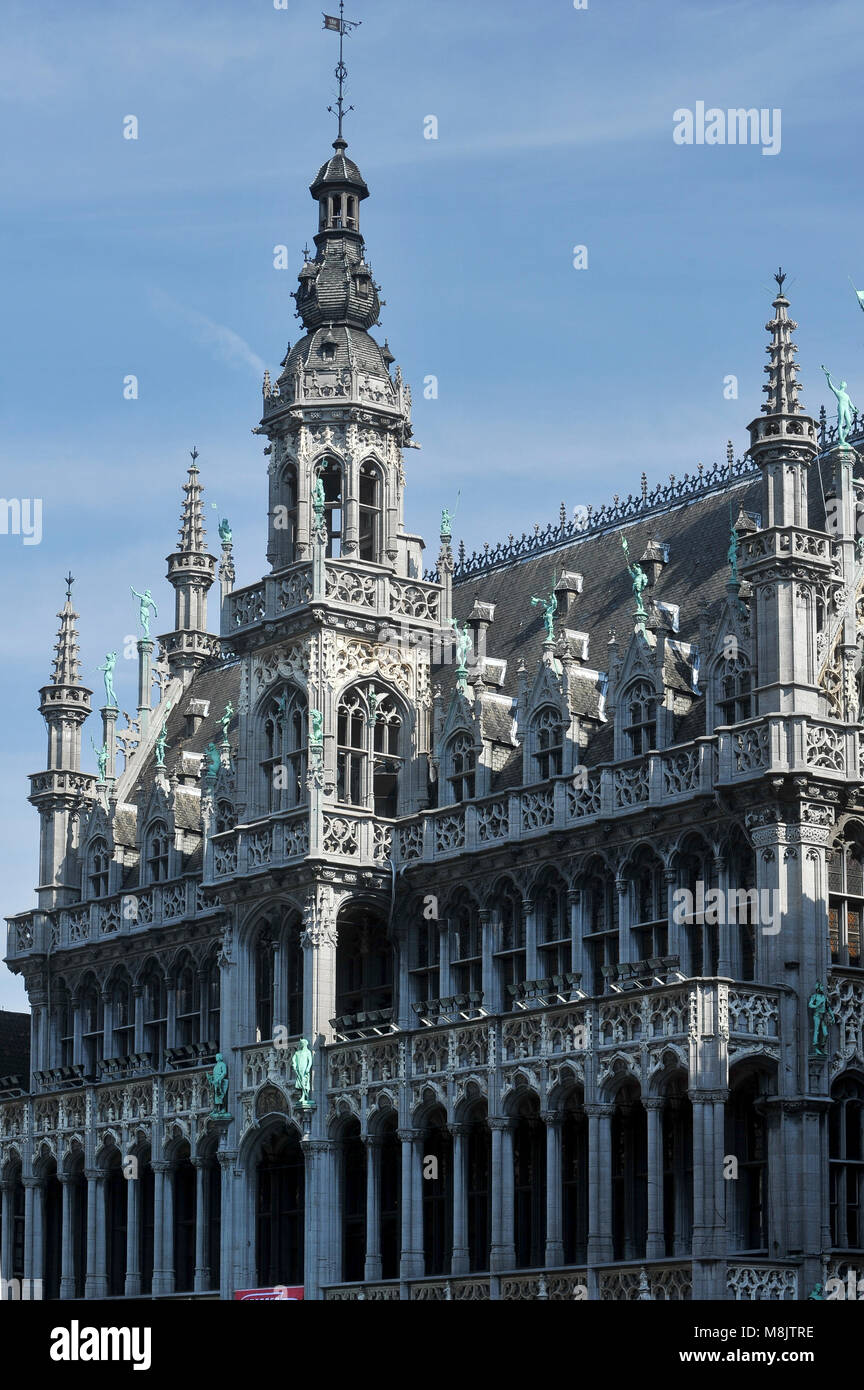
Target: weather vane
341 26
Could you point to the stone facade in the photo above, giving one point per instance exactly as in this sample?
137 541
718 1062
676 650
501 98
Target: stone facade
549 902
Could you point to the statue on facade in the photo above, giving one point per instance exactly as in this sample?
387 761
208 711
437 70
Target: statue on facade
845 408
373 698
144 606
108 677
317 718
319 506
223 527
640 580
463 642
218 1080
162 740
301 1065
816 1292
447 518
213 755
225 719
823 1014
550 608
101 759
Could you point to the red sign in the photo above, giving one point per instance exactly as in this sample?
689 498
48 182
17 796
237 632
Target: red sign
292 1292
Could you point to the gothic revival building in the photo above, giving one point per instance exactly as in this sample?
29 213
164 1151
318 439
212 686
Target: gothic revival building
549 889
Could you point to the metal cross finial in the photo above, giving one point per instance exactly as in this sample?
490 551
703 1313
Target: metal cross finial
342 26
780 277
70 580
193 453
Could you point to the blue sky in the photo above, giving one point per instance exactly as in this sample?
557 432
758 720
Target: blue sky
155 257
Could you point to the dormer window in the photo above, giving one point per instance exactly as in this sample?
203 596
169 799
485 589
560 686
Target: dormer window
158 845
548 732
735 701
98 872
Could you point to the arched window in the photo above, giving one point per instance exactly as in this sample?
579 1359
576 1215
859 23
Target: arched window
846 902
155 1015
285 517
744 919
846 1163
426 974
123 1017
97 868
369 730
437 1195
369 508
600 926
554 948
331 475
264 980
364 963
157 853
211 1002
640 719
547 731
529 1184
277 975
461 759
697 873
283 767
650 920
677 1137
353 1158
188 1004
466 947
510 956
92 1027
746 1138
185 1204
733 698
629 1175
64 1026
280 1205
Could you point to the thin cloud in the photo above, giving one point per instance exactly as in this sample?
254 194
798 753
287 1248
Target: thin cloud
223 344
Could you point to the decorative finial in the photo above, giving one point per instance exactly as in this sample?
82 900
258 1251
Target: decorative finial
341 26
780 277
193 454
69 581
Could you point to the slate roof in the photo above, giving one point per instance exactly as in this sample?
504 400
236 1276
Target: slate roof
14 1044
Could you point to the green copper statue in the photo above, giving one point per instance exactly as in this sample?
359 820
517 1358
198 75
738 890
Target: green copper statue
214 759
845 408
101 759
301 1065
225 720
550 608
373 698
317 738
162 740
822 1016
146 603
218 1080
817 1292
447 517
463 642
108 675
640 581
318 506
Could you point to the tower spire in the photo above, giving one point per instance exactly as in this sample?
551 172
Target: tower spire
782 388
342 26
190 571
67 667
192 518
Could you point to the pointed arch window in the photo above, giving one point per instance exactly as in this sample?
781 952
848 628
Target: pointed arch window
97 869
157 853
554 948
369 730
640 719
285 519
123 1017
466 947
845 903
369 512
846 1163
188 1004
264 981
547 729
650 920
510 958
92 1027
283 767
155 1015
734 697
462 767
330 474
600 927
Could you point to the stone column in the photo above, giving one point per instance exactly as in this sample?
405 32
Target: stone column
725 927
412 1264
503 1252
529 917
317 1198
372 1270
600 1183
202 1262
96 1285
30 1185
163 1277
67 1252
132 1286
145 682
38 1274
7 1189
138 1017
460 1259
655 1248
226 1159
109 738
553 1120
